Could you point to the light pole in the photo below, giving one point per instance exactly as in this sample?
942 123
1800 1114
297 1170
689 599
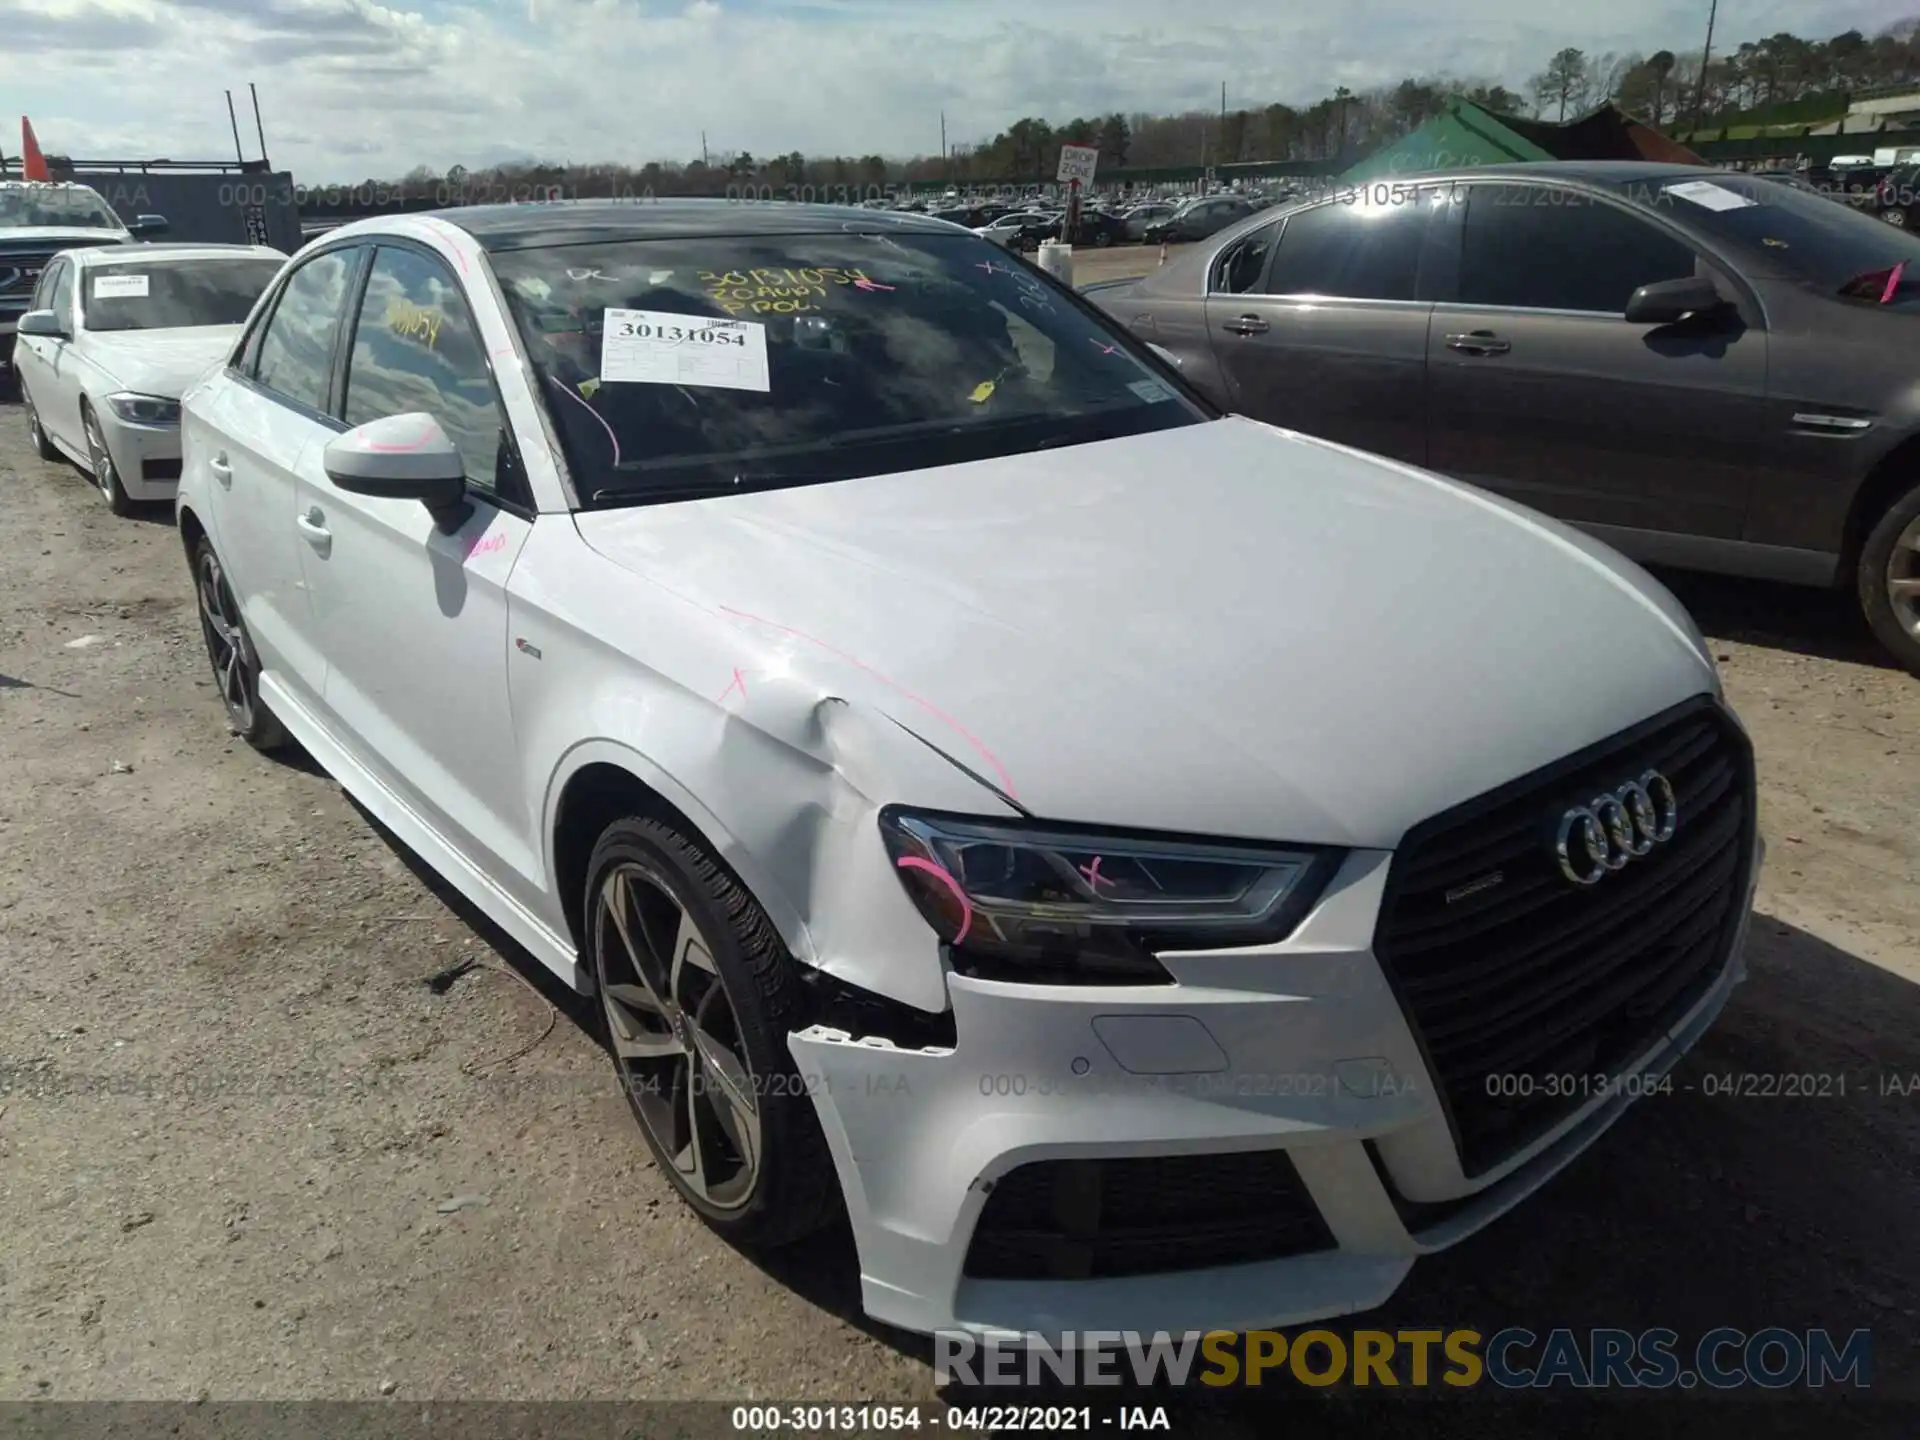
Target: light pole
1706 57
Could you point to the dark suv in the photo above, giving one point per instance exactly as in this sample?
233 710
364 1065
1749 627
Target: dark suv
1705 369
1198 218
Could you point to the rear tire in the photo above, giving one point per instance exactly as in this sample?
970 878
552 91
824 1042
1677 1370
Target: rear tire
697 998
1888 579
236 666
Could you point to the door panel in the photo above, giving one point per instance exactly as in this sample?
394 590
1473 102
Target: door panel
1569 408
258 433
1332 339
413 617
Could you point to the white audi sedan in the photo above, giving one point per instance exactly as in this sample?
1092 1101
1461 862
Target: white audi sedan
1152 870
113 336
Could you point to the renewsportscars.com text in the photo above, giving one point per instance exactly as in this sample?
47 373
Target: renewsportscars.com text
1514 1358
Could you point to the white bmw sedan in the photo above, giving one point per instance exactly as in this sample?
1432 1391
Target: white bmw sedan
1153 870
112 338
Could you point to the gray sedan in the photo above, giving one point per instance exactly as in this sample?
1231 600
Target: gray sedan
1707 370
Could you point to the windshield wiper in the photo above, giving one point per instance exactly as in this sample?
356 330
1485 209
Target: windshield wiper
743 484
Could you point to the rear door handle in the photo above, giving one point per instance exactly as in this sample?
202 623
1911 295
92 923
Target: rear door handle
222 471
313 525
1479 342
1246 325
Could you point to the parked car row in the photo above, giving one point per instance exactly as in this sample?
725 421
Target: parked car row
1702 373
38 220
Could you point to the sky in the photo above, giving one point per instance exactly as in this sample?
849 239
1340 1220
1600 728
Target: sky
351 89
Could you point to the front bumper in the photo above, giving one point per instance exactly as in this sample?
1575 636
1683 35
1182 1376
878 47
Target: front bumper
1300 1046
146 456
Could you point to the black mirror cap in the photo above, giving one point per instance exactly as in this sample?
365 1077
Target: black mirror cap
436 493
1668 301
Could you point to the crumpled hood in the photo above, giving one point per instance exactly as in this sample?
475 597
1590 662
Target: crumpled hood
161 362
1223 629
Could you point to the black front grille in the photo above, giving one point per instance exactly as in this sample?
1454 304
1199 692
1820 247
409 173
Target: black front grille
159 469
1088 1219
20 270
1510 983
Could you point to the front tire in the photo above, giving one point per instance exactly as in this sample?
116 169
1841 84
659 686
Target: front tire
42 446
1888 579
698 995
105 475
1896 218
236 666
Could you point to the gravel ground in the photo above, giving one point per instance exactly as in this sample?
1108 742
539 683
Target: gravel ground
263 1158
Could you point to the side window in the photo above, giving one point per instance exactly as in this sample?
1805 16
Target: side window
1357 248
1243 267
1539 248
60 298
414 349
296 349
42 297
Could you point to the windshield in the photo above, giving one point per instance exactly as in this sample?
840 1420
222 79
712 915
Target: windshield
678 367
71 205
161 295
1787 231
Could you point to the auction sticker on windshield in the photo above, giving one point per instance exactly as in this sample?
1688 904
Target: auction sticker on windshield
654 347
1712 196
119 287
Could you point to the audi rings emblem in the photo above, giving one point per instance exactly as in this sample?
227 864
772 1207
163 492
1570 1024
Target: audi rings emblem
1610 831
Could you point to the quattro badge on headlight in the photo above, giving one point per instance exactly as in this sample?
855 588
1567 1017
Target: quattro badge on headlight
1021 900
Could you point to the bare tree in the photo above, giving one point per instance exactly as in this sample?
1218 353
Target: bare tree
1563 83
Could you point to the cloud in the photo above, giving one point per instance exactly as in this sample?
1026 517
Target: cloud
351 88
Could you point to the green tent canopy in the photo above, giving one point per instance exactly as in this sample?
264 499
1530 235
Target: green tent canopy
1465 134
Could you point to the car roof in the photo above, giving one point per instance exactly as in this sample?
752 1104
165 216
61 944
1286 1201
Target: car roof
1592 172
576 222
173 250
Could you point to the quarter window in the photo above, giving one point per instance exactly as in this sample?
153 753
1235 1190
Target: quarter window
1244 266
1537 247
296 350
415 350
1355 248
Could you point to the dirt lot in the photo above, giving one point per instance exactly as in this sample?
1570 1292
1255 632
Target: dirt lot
247 1151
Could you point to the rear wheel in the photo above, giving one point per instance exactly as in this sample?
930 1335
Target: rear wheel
1889 580
236 668
101 458
699 995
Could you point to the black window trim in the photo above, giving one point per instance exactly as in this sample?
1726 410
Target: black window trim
1752 306
521 505
264 320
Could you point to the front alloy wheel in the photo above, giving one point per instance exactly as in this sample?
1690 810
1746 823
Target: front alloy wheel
699 996
236 670
104 475
1895 217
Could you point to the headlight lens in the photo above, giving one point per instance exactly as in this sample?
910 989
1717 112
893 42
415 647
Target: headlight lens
145 409
1032 902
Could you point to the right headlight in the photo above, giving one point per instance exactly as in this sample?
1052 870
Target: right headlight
1029 901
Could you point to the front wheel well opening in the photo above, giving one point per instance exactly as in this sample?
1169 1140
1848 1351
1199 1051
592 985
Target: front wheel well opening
595 797
1897 473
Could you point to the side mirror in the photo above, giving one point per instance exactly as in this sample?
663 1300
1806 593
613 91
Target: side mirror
145 225
403 457
44 323
1666 301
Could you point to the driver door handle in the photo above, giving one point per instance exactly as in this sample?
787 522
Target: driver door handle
1479 342
1246 325
221 470
313 525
